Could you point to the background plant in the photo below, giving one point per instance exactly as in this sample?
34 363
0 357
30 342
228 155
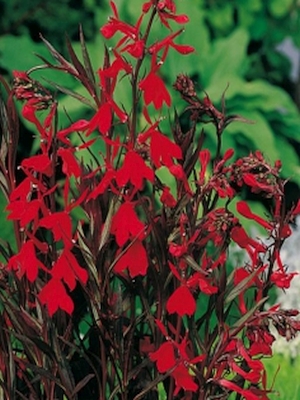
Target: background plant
121 276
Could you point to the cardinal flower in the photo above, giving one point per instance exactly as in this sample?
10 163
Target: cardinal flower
181 302
134 170
67 269
135 259
155 91
54 296
125 224
25 262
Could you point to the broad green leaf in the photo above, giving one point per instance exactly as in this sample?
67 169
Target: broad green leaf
287 124
290 160
260 94
20 53
259 135
17 52
226 58
280 8
221 18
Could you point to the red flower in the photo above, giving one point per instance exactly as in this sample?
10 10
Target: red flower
244 209
183 379
169 42
22 190
25 262
166 10
135 259
125 224
134 170
67 269
204 158
155 91
54 295
105 182
173 357
135 49
162 149
23 211
115 25
282 279
240 237
70 164
102 120
181 302
40 163
80 125
60 224
167 198
164 357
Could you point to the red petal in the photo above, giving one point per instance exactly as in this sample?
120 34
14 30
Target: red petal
54 295
70 164
164 357
135 259
183 380
125 224
181 302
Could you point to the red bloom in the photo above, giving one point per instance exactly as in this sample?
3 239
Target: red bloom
135 259
102 120
67 269
135 49
166 361
162 149
167 198
115 25
204 158
105 182
282 279
25 262
60 224
23 211
240 237
181 302
70 164
166 11
167 42
54 295
155 91
134 170
21 191
244 209
80 125
40 163
125 224
183 379
164 357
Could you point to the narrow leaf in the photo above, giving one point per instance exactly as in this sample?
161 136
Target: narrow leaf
86 57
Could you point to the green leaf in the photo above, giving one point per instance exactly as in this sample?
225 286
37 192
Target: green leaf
259 135
290 160
263 96
7 228
280 8
243 320
226 59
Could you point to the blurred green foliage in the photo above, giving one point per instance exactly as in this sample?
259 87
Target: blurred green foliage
236 48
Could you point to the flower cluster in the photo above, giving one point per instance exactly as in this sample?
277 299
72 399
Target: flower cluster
103 235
